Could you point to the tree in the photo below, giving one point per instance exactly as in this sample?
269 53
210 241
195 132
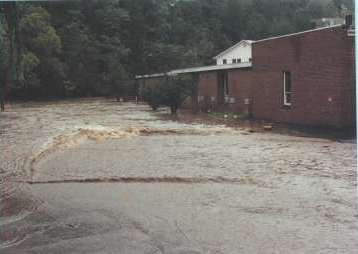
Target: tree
10 36
151 95
42 47
170 92
3 65
118 78
233 20
88 47
29 63
175 91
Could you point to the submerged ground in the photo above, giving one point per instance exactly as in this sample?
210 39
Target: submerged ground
95 176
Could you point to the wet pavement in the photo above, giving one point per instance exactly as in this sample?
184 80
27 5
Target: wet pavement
96 176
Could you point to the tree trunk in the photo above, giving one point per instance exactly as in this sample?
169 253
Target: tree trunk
7 75
2 92
2 100
9 11
173 109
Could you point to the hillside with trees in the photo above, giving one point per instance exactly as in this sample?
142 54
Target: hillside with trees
93 47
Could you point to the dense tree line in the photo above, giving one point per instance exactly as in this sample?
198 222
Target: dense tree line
93 47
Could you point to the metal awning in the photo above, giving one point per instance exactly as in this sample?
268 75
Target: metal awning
197 69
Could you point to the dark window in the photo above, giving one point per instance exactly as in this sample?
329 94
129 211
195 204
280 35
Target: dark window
287 88
234 61
224 61
226 85
250 59
239 60
223 87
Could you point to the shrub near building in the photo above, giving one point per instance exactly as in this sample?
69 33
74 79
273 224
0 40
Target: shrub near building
170 92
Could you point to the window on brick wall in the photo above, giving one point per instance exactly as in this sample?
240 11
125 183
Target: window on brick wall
287 88
223 87
226 85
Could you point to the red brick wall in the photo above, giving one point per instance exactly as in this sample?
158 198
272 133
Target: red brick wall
321 65
239 81
208 84
240 89
208 88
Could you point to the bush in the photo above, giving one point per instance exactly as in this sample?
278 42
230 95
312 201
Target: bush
151 96
170 92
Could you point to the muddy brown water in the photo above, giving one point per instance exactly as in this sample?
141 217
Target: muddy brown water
95 176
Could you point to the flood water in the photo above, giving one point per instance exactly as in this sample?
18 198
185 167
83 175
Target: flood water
96 176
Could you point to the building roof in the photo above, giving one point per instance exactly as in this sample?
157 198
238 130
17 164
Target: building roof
243 42
198 69
298 33
351 32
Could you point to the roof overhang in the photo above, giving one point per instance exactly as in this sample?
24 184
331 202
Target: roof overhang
156 75
197 70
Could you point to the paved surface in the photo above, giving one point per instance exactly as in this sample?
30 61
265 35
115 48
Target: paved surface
94 176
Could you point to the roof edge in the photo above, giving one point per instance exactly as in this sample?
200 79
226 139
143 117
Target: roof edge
197 70
298 33
232 47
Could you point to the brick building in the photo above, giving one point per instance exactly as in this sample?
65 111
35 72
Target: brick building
303 78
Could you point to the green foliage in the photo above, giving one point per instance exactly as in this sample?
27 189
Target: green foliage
29 62
9 17
170 92
93 47
38 33
43 71
175 90
3 49
3 57
151 95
